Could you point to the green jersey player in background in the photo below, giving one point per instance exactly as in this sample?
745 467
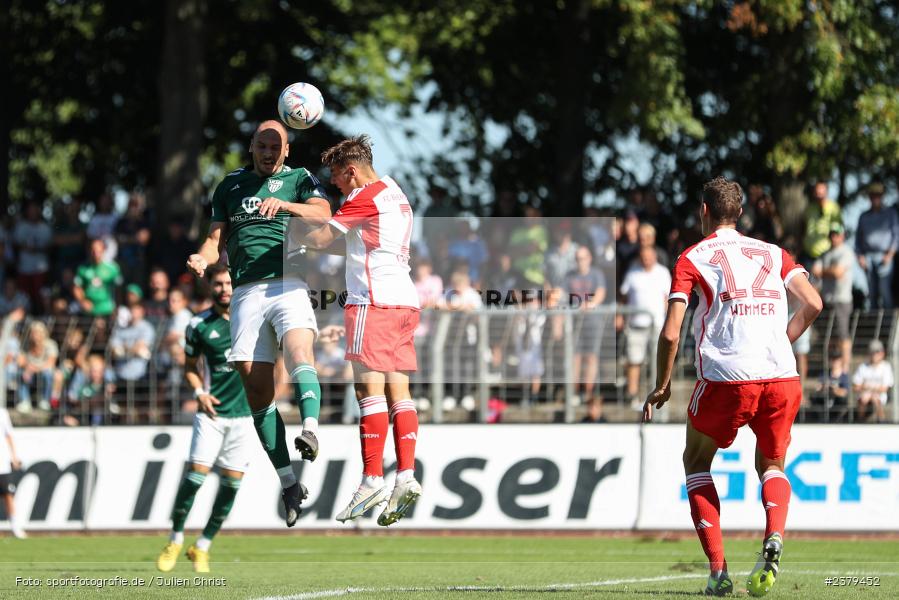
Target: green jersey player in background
223 429
251 209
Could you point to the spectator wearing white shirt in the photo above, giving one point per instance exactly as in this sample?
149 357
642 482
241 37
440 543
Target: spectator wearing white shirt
872 382
9 461
645 288
31 238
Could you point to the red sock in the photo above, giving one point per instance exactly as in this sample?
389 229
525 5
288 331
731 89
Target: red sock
405 433
776 492
373 434
705 509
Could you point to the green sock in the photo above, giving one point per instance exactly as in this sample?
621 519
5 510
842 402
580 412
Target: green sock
307 391
270 429
184 499
224 500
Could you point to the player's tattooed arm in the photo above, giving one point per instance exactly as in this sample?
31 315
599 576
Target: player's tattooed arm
210 251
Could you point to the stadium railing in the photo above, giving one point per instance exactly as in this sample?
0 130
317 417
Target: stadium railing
486 365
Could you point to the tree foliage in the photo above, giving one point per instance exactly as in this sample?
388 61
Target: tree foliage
764 90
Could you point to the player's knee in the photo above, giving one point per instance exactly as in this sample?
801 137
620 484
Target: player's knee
695 462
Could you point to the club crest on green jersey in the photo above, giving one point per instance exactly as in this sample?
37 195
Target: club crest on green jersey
274 185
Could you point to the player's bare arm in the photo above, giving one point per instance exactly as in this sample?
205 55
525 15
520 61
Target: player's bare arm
15 463
323 237
314 211
194 378
669 340
810 306
209 251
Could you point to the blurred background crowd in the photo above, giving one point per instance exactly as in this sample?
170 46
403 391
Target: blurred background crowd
95 304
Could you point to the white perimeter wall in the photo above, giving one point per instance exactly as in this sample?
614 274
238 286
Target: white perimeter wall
474 477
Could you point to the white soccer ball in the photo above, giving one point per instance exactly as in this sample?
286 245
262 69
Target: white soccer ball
301 105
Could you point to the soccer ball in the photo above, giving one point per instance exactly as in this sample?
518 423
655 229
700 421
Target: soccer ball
301 105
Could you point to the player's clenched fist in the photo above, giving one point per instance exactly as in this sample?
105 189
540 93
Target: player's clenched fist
197 264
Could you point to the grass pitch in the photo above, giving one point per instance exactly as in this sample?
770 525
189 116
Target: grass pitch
383 567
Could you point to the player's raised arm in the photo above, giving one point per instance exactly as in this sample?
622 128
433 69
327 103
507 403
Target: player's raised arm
209 251
810 306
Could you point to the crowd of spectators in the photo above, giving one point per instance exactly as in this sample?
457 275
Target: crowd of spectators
100 299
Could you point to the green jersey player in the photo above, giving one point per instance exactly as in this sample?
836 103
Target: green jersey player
251 210
223 429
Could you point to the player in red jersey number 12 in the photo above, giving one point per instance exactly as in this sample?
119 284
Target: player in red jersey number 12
745 368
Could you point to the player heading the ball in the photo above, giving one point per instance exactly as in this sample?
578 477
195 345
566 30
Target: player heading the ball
381 317
269 310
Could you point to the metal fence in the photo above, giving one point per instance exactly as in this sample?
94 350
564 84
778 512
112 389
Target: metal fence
486 365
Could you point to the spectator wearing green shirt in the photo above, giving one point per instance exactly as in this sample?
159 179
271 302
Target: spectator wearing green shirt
821 216
97 282
527 244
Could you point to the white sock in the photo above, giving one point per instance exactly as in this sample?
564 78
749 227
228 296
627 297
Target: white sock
203 543
286 476
14 524
177 537
375 481
310 424
405 475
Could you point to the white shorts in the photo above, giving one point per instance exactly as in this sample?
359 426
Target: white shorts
637 344
226 442
262 312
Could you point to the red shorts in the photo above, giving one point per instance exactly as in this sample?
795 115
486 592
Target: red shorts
381 338
719 409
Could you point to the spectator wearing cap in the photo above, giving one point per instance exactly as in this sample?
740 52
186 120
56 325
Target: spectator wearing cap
876 242
820 215
97 282
133 295
834 270
872 382
131 346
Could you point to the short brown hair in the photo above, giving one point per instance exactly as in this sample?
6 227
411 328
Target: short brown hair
724 199
213 271
351 150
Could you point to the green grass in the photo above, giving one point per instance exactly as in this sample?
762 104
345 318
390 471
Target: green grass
496 567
